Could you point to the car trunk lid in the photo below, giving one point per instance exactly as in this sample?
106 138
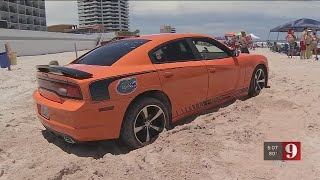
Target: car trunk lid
58 83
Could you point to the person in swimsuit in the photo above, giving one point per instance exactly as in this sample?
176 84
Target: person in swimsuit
237 44
314 43
249 41
303 44
244 43
233 42
291 39
309 48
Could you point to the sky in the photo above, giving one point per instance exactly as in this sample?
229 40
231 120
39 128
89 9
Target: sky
207 17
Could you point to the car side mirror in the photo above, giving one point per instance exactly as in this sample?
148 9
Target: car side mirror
235 53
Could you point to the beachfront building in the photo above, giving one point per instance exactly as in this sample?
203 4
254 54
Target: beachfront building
72 28
167 29
113 15
23 14
63 28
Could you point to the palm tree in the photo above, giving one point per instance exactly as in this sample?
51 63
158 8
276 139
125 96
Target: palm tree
136 32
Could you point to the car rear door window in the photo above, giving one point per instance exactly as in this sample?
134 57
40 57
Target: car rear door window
176 51
209 49
110 53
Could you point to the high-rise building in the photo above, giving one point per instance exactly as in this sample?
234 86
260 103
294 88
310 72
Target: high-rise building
23 14
167 29
173 30
112 14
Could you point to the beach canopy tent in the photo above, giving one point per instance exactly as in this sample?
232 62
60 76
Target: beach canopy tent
254 36
297 25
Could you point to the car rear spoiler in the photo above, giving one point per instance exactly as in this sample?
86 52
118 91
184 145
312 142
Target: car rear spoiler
69 72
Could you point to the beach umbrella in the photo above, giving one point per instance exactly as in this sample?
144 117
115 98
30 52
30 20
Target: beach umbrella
230 34
298 25
306 23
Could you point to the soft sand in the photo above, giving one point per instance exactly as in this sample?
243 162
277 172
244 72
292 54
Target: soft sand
224 143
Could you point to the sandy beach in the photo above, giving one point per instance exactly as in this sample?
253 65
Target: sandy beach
222 143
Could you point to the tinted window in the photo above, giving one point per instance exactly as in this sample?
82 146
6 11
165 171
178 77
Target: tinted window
208 49
110 53
173 52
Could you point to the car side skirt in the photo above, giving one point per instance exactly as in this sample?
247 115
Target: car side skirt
192 109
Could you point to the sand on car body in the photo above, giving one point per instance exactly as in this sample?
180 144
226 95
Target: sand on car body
221 143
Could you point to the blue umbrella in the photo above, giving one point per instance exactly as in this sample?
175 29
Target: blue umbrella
298 25
306 23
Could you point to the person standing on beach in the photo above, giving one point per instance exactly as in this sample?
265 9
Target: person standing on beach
314 44
308 42
303 44
291 39
233 42
268 44
244 43
250 41
237 44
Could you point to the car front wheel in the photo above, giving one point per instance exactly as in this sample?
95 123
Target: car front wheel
144 121
258 81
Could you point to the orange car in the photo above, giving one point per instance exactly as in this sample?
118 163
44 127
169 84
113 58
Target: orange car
135 88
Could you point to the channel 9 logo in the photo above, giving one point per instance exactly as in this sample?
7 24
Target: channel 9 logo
282 151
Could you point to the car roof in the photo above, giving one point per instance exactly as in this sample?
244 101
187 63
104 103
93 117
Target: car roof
154 41
169 36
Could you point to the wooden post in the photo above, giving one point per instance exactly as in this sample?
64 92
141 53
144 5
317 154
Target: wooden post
278 37
7 47
75 49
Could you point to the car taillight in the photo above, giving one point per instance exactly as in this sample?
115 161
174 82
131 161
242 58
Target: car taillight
59 88
68 90
73 91
62 89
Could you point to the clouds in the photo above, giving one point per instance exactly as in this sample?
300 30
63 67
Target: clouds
61 12
218 17
292 9
208 17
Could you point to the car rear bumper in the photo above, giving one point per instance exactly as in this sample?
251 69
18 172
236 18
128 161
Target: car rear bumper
83 121
62 136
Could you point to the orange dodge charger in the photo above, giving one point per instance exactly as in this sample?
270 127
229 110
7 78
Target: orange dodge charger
135 88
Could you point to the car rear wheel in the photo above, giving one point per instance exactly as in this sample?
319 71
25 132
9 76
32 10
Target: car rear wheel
144 121
258 81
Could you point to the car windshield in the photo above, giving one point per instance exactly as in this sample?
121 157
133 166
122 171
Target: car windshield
110 53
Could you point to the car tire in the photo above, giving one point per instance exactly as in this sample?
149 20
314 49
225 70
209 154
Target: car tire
137 129
258 81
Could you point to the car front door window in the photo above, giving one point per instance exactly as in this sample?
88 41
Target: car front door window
176 51
209 50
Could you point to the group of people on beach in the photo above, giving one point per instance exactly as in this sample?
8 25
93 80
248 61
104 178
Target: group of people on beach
308 43
243 43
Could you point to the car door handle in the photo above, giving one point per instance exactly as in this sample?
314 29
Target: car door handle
212 70
168 74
